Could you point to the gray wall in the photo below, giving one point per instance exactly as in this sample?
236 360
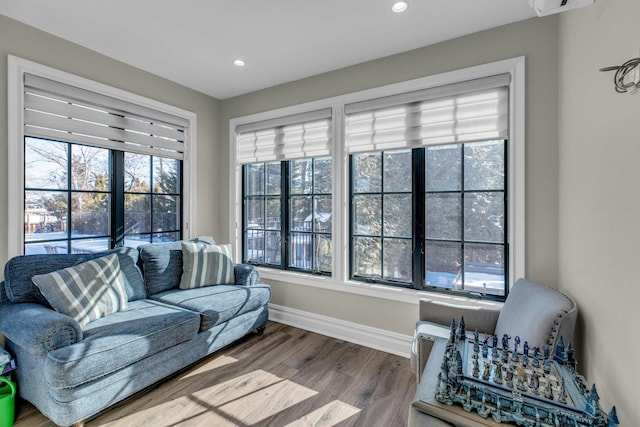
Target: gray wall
537 39
29 43
599 204
581 205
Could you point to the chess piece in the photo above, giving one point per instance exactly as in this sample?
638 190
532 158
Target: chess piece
461 333
476 336
536 357
487 372
497 376
521 383
562 396
547 390
495 341
593 403
509 377
561 355
612 418
516 343
571 359
458 363
452 331
505 341
547 351
534 383
485 348
476 369
547 366
526 348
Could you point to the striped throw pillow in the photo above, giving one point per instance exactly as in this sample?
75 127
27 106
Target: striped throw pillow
87 291
205 265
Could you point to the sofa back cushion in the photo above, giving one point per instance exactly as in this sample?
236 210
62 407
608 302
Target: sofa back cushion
536 314
19 271
162 264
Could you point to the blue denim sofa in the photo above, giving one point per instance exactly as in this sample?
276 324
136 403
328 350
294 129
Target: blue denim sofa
71 373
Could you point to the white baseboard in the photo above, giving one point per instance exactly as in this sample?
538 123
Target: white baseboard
379 339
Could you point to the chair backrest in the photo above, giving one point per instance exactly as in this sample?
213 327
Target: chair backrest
537 314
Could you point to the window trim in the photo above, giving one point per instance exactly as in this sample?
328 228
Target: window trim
16 69
340 281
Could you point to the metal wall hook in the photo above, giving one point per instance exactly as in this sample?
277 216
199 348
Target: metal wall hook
621 72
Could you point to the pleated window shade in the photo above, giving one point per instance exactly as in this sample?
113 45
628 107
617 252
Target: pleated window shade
470 111
61 112
291 137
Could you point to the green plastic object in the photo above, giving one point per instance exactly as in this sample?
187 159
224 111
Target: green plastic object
7 402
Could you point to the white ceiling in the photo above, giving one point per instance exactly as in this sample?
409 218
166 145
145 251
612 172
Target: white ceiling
194 42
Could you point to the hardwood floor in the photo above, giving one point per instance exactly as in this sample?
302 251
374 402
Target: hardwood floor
287 377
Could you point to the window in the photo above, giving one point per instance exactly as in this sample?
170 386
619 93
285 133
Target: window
433 215
382 216
300 211
287 204
466 218
100 168
427 194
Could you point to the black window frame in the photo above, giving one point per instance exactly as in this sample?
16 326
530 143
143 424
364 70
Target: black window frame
419 227
284 232
116 226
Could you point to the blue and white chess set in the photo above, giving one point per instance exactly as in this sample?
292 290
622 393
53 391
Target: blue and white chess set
522 387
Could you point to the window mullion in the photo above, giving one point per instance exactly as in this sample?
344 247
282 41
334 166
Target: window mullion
419 216
382 228
117 199
69 197
506 222
462 219
285 218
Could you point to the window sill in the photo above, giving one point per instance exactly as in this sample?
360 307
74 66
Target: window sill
411 296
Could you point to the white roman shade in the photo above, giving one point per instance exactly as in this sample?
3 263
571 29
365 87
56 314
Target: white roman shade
285 138
66 113
469 111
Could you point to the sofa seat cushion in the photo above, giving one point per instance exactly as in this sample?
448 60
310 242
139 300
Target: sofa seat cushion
219 303
146 327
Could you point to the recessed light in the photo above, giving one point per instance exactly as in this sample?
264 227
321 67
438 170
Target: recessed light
399 6
239 63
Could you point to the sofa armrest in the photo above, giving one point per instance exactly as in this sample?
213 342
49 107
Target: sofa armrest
246 274
36 328
476 317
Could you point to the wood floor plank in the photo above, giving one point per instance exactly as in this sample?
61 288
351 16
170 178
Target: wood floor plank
287 377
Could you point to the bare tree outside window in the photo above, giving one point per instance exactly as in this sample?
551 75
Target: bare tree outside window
68 197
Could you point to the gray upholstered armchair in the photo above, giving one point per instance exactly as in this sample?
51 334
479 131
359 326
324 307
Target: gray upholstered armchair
534 312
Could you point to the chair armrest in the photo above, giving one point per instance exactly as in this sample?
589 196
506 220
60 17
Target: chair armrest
424 336
36 328
246 274
481 317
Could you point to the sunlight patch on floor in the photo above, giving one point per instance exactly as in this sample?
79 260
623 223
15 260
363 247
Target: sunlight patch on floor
255 396
329 415
244 400
216 363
